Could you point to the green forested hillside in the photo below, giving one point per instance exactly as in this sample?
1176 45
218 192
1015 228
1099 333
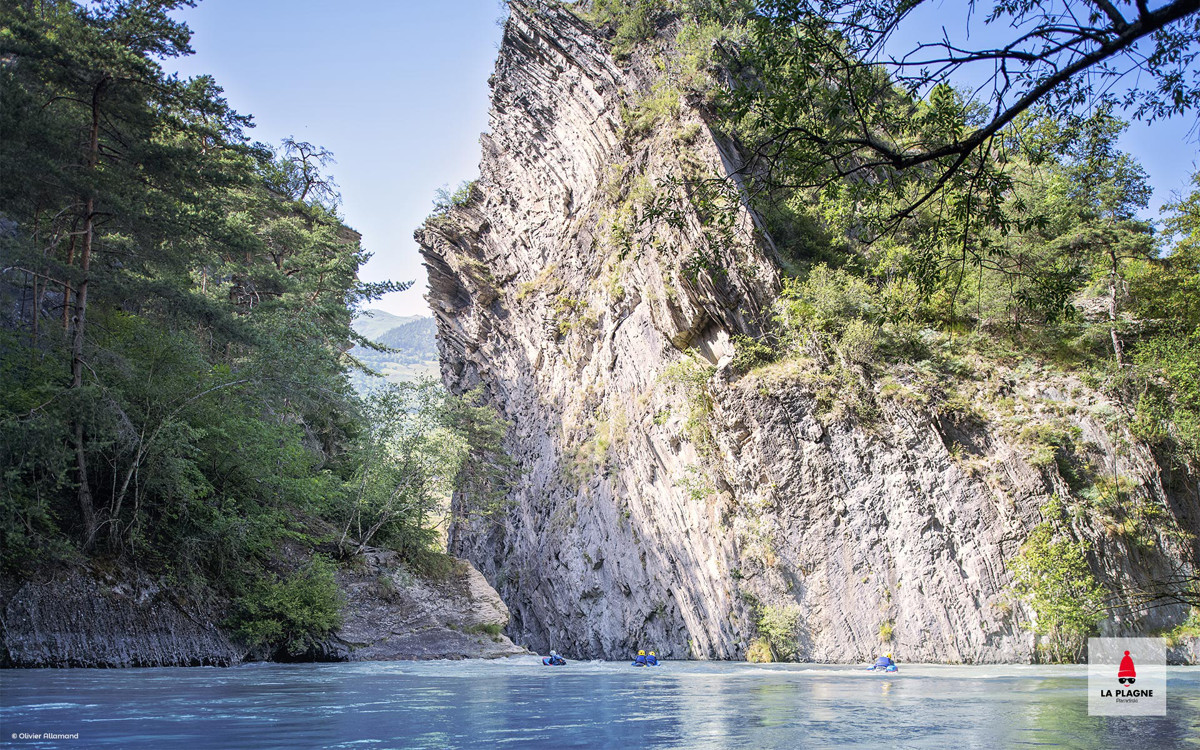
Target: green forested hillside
409 348
175 304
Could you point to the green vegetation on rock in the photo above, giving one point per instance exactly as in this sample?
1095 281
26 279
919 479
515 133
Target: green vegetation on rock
778 624
1053 576
1190 628
759 652
1030 244
293 612
691 375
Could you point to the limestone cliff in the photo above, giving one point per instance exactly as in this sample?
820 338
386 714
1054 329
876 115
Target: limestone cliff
662 500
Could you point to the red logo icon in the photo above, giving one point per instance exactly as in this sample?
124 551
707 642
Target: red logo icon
1126 674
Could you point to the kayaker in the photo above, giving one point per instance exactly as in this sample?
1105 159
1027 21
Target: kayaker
554 659
640 661
884 662
651 659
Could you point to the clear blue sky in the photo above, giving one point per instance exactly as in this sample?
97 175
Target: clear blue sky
397 90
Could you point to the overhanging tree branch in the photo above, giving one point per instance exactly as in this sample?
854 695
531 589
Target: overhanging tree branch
836 42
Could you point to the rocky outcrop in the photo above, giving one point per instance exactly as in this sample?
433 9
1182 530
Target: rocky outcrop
77 618
391 614
81 617
660 499
904 525
1184 651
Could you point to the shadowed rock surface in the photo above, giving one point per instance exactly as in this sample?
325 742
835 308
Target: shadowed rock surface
75 620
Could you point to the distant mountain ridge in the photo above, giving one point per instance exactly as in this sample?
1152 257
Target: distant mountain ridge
411 336
414 338
374 323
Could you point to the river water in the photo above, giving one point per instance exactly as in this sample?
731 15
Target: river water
518 703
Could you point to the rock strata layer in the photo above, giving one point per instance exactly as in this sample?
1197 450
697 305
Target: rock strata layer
83 618
78 619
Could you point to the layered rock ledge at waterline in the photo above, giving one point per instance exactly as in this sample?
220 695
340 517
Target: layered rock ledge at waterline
635 520
82 617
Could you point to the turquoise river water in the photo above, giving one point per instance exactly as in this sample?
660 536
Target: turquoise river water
518 703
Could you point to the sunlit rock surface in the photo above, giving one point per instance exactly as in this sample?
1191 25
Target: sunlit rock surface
392 614
632 523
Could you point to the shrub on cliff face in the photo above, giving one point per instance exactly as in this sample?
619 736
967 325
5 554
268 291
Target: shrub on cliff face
1189 628
444 200
293 613
834 312
631 22
1053 576
886 629
777 624
750 353
759 652
691 375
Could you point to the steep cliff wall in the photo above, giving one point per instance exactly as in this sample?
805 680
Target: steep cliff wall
659 498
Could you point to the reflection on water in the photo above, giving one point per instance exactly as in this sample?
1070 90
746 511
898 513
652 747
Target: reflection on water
518 703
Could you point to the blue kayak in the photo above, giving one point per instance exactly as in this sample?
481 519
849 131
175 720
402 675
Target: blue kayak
888 668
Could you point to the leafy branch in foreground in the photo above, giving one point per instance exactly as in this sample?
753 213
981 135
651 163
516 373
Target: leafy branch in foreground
830 89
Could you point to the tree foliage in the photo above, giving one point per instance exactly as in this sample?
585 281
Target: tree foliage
834 93
1164 377
175 307
1053 575
419 444
292 612
937 206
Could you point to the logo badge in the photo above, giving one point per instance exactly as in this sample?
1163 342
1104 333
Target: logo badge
1127 677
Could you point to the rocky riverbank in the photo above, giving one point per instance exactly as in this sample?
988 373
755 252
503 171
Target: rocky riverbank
86 617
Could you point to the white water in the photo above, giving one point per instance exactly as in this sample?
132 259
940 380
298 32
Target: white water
519 703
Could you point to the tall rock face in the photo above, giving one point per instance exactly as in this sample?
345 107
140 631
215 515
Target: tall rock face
662 500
